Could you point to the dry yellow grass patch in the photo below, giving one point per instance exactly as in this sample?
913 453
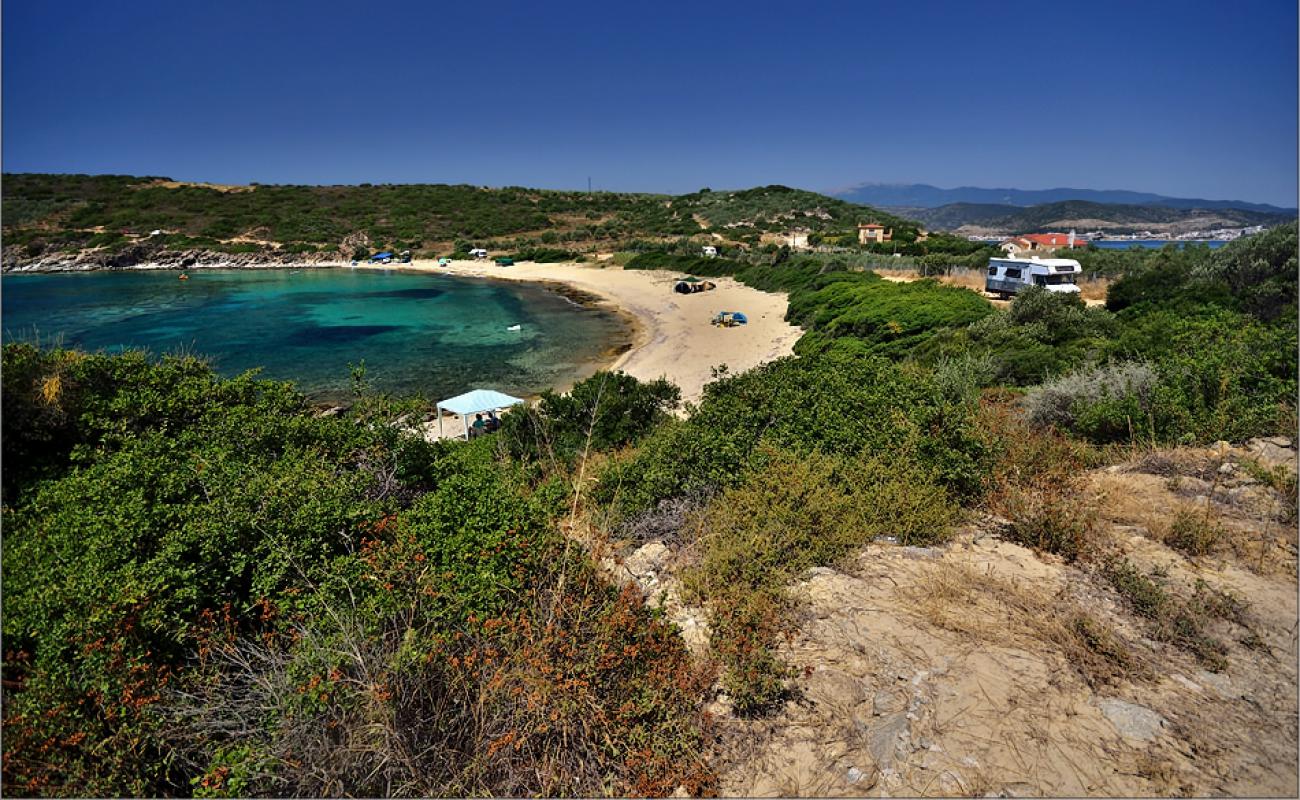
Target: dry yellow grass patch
1094 289
219 187
994 609
51 389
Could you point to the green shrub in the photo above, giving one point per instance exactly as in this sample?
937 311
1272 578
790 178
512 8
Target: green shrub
1104 404
1256 275
160 498
888 318
1040 336
570 688
1194 534
836 404
606 411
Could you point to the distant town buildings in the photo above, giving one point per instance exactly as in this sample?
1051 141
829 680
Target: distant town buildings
1041 244
871 232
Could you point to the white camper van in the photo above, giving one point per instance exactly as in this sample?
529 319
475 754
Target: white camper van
1008 276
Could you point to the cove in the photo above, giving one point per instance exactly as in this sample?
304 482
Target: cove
418 334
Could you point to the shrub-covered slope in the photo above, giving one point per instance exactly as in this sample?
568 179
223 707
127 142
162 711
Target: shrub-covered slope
53 214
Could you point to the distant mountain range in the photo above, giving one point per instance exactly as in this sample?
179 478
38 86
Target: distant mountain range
921 195
1004 219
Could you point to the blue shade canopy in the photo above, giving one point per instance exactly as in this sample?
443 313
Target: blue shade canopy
478 400
378 256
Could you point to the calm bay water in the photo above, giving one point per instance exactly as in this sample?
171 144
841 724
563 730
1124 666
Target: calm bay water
417 334
1151 244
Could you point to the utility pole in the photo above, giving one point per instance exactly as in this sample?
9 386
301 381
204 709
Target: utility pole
588 184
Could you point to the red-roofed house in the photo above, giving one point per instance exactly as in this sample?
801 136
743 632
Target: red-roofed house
1041 244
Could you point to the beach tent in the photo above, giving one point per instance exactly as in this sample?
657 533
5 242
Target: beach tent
474 402
381 256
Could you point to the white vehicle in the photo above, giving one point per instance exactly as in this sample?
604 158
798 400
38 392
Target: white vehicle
478 253
1007 276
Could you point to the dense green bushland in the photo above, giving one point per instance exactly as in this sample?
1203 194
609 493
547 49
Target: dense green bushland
210 589
861 312
837 404
1216 331
1040 335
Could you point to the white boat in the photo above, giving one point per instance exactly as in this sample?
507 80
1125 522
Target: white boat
515 327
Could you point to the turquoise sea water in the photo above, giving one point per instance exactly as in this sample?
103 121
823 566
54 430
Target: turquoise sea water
417 334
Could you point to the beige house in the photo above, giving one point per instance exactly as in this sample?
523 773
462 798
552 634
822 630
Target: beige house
871 232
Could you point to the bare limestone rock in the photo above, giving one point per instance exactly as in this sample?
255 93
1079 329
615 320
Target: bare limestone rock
1132 720
1276 451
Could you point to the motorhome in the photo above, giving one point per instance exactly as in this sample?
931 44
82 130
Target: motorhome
1007 276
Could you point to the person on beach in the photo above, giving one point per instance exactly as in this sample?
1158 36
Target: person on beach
479 427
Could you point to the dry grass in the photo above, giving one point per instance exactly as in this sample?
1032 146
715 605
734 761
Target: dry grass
1179 621
994 609
1151 497
1036 484
220 187
1094 289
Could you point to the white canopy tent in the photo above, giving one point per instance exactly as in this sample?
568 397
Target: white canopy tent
474 402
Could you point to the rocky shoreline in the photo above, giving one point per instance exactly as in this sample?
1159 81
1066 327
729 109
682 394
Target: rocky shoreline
145 257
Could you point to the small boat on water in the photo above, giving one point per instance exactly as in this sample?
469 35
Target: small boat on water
515 327
183 277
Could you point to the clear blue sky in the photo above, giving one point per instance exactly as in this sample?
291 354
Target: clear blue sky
1183 98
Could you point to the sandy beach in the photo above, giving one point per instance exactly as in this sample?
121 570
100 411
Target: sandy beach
673 338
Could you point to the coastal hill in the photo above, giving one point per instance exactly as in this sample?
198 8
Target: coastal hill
123 219
921 195
952 548
989 219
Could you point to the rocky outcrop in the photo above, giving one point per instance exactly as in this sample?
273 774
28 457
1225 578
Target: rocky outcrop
143 256
352 241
